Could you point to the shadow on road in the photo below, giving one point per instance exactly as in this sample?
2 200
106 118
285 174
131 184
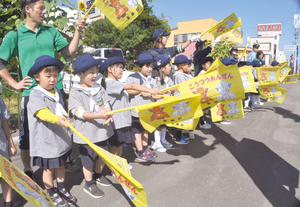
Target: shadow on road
287 114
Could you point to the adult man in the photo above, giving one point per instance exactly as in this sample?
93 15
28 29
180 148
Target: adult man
292 65
252 54
30 41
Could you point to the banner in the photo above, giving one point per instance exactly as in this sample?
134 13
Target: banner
24 185
189 124
223 84
284 71
227 110
283 63
216 65
237 33
267 75
248 79
174 110
229 23
280 99
120 12
269 90
291 79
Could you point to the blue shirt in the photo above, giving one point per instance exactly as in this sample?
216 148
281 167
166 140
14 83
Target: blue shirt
251 56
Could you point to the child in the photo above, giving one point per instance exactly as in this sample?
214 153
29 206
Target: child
162 64
88 102
112 70
181 75
205 63
7 149
143 77
50 141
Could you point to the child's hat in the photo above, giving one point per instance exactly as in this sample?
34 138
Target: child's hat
159 32
226 61
84 62
110 61
161 61
256 63
44 61
206 59
274 63
144 58
181 59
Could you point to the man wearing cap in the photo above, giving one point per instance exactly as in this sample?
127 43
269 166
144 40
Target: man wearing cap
28 42
252 54
201 52
292 65
233 54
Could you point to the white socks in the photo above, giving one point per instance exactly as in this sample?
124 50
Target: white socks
160 136
163 133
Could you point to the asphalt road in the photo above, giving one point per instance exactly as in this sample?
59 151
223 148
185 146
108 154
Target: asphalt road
254 162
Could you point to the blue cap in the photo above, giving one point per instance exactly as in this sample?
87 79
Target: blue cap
161 61
159 32
181 59
206 59
256 63
274 63
226 61
234 48
144 58
85 62
255 45
44 61
110 61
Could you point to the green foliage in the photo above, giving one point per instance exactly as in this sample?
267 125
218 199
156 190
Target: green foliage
135 39
222 49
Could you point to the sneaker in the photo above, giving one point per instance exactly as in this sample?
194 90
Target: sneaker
158 147
247 109
191 135
67 196
181 141
59 201
205 126
261 103
130 166
71 167
149 151
225 122
145 157
166 144
103 181
93 191
29 173
184 138
185 131
255 106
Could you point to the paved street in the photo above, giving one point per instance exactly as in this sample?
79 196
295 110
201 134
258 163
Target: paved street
254 162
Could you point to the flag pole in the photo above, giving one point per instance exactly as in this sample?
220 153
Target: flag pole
89 10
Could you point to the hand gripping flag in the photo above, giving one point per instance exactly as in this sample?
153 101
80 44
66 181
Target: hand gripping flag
237 33
291 79
120 12
227 110
226 25
284 71
279 99
248 79
268 75
269 90
24 185
119 166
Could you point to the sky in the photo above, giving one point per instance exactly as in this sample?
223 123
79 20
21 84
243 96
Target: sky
251 12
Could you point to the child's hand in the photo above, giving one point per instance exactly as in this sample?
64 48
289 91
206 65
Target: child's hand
108 120
174 90
61 121
154 91
104 115
144 94
12 150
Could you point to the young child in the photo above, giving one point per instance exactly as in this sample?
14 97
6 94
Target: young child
50 140
89 103
162 80
181 75
112 70
143 77
7 149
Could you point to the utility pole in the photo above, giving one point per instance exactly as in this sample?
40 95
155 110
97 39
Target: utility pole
296 52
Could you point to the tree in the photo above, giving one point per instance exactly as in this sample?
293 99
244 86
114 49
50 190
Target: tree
135 39
222 49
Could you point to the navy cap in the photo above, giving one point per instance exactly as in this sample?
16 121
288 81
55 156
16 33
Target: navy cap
256 63
206 59
198 43
234 48
226 61
161 61
44 61
159 32
110 61
255 45
144 58
181 59
274 63
84 62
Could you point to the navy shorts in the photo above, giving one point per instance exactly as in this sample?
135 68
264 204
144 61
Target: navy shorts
122 137
88 155
137 127
24 131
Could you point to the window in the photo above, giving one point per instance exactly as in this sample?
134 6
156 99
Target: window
175 38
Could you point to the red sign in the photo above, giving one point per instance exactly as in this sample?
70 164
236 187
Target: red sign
269 28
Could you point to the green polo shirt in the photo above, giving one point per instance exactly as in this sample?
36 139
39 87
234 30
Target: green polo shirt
32 45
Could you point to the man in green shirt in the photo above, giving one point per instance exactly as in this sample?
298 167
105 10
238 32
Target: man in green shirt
30 41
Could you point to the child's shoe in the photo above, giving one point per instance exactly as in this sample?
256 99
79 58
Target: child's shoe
205 126
184 137
67 196
93 191
181 141
158 147
145 157
225 122
103 181
59 201
149 151
166 144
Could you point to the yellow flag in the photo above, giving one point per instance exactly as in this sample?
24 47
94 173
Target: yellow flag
222 84
269 90
189 124
229 23
119 166
283 63
174 110
227 110
248 79
120 12
284 71
280 99
24 185
216 65
267 75
291 79
237 33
